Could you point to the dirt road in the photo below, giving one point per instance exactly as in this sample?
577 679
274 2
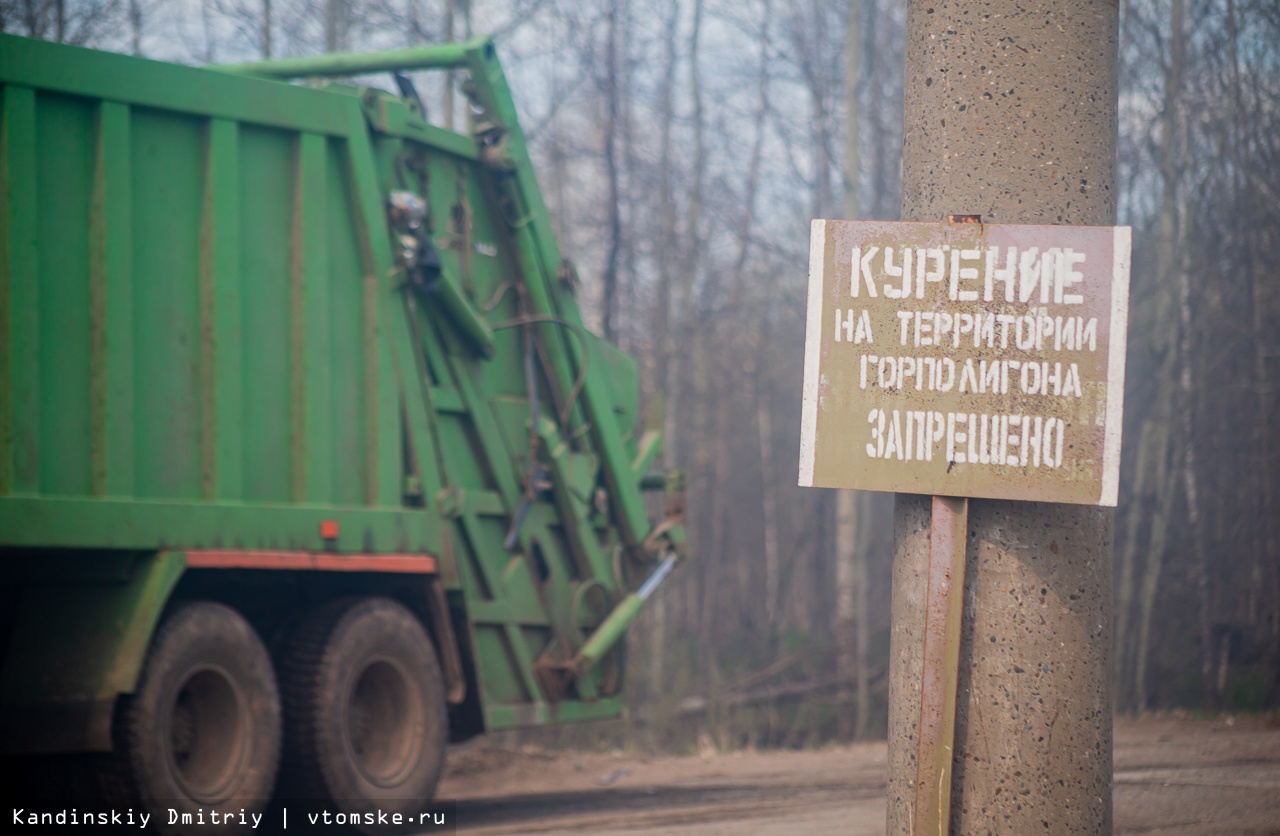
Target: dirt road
1172 776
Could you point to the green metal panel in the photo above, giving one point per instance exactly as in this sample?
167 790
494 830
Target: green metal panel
193 303
168 164
111 303
208 340
266 174
309 344
103 76
19 259
67 523
222 314
64 127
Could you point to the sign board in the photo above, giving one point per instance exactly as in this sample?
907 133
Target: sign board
961 359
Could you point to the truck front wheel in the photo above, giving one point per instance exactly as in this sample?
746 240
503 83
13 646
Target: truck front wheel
364 709
202 730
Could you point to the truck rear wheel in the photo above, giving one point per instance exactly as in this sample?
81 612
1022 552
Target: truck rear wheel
202 730
364 708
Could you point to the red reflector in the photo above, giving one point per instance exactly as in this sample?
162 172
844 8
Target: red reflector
329 529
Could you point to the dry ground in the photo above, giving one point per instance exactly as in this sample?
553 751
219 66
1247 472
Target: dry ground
1172 776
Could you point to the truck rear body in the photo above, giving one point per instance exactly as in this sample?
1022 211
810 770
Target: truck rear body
266 344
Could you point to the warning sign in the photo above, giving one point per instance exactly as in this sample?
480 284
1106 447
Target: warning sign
965 359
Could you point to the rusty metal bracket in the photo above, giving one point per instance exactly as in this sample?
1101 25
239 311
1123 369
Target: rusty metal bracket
940 671
447 640
944 611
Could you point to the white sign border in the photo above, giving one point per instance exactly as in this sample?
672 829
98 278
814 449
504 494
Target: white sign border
1122 243
812 351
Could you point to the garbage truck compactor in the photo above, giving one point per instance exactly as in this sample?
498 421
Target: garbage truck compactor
308 464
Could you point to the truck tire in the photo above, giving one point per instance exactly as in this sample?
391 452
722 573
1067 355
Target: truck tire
202 731
364 709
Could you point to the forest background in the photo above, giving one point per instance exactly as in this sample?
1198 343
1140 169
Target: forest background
683 146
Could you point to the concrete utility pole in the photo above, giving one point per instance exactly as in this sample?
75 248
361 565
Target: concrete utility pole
1011 114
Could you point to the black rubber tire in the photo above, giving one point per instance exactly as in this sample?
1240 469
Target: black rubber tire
202 730
366 725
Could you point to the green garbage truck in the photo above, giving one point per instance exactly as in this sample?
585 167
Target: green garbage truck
308 464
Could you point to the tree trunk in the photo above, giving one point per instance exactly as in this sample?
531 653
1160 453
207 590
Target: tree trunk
626 138
135 26
768 481
334 24
1127 649
1263 383
206 19
450 35
1161 519
266 30
609 304
688 336
1173 271
664 378
852 621
847 559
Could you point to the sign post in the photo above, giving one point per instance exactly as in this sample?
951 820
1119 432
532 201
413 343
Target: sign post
944 616
962 360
